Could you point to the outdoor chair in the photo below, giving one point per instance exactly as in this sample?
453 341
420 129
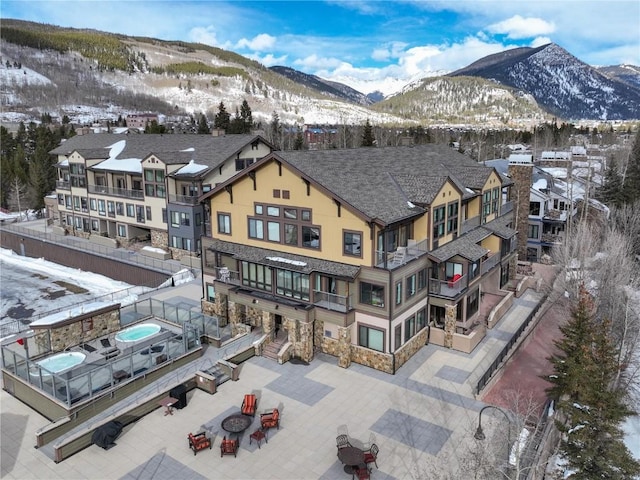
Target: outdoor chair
249 405
229 447
270 420
106 343
199 441
342 441
371 456
361 473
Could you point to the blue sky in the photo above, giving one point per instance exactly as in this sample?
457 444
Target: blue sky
366 44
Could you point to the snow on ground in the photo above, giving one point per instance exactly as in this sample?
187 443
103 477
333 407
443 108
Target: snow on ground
31 287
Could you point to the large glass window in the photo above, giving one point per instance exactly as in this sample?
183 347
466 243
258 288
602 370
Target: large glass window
256 276
371 294
421 320
311 237
101 207
273 231
292 284
154 183
411 286
452 217
256 228
486 205
453 271
472 303
397 336
398 293
533 231
534 209
438 222
409 328
371 338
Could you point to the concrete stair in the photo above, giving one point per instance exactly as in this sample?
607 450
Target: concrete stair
271 349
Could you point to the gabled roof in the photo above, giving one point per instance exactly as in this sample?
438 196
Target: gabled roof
465 246
383 184
171 149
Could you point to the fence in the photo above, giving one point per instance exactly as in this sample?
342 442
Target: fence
482 382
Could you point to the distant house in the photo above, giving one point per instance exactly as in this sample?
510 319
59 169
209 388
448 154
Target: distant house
141 120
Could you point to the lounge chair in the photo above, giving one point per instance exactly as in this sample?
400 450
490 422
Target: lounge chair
229 447
199 441
249 405
271 419
106 343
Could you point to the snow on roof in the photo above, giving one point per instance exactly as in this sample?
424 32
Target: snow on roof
520 158
540 184
191 168
113 163
554 154
555 172
70 313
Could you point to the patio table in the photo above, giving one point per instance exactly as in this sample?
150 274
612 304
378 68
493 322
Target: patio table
236 423
352 457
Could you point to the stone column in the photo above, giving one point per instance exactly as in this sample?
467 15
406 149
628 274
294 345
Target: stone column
513 268
521 171
344 347
305 339
449 324
236 316
268 323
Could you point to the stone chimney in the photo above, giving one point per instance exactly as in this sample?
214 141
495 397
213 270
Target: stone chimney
521 172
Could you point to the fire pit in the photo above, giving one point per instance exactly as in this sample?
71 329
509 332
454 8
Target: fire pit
236 423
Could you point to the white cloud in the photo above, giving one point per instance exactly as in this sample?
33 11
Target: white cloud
539 41
258 43
269 60
389 51
313 62
205 35
518 27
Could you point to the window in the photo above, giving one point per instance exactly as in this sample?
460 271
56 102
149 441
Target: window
290 234
101 207
452 270
474 269
256 276
398 293
68 201
472 303
122 231
411 286
273 211
95 226
131 210
352 242
211 293
224 223
421 320
534 208
371 294
154 183
409 328
120 208
398 336
486 205
242 163
311 237
185 219
198 219
276 193
438 222
494 202
452 217
148 212
533 231
273 232
60 199
164 215
422 279
175 219
256 228
83 204
111 208
292 284
140 213
76 203
371 338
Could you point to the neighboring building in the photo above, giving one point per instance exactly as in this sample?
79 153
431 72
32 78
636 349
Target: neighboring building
146 187
141 120
365 254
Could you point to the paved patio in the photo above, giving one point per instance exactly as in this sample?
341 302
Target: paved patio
423 419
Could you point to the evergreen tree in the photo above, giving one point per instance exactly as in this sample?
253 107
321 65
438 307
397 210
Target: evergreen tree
247 117
154 127
594 407
298 144
611 193
222 118
632 175
275 131
203 126
367 136
237 124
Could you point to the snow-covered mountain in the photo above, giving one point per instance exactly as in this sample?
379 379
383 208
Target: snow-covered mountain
565 86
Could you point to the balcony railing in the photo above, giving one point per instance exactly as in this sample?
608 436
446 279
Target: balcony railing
470 223
448 288
331 301
116 192
551 238
186 199
489 263
402 254
223 274
63 184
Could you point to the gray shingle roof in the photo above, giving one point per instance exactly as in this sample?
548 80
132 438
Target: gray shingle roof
500 228
466 246
380 182
302 264
171 149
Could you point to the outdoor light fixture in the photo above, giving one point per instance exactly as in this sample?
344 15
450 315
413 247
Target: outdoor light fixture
479 435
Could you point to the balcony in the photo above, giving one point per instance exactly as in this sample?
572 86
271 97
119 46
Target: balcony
552 239
116 192
448 288
401 255
184 199
489 263
331 301
63 185
224 275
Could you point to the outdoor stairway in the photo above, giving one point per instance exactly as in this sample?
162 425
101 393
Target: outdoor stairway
271 349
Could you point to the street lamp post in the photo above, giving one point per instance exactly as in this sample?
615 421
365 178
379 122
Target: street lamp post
479 435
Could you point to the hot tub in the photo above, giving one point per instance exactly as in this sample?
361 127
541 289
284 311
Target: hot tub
138 332
59 362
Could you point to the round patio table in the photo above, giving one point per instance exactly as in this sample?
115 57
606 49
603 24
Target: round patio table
236 423
352 457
